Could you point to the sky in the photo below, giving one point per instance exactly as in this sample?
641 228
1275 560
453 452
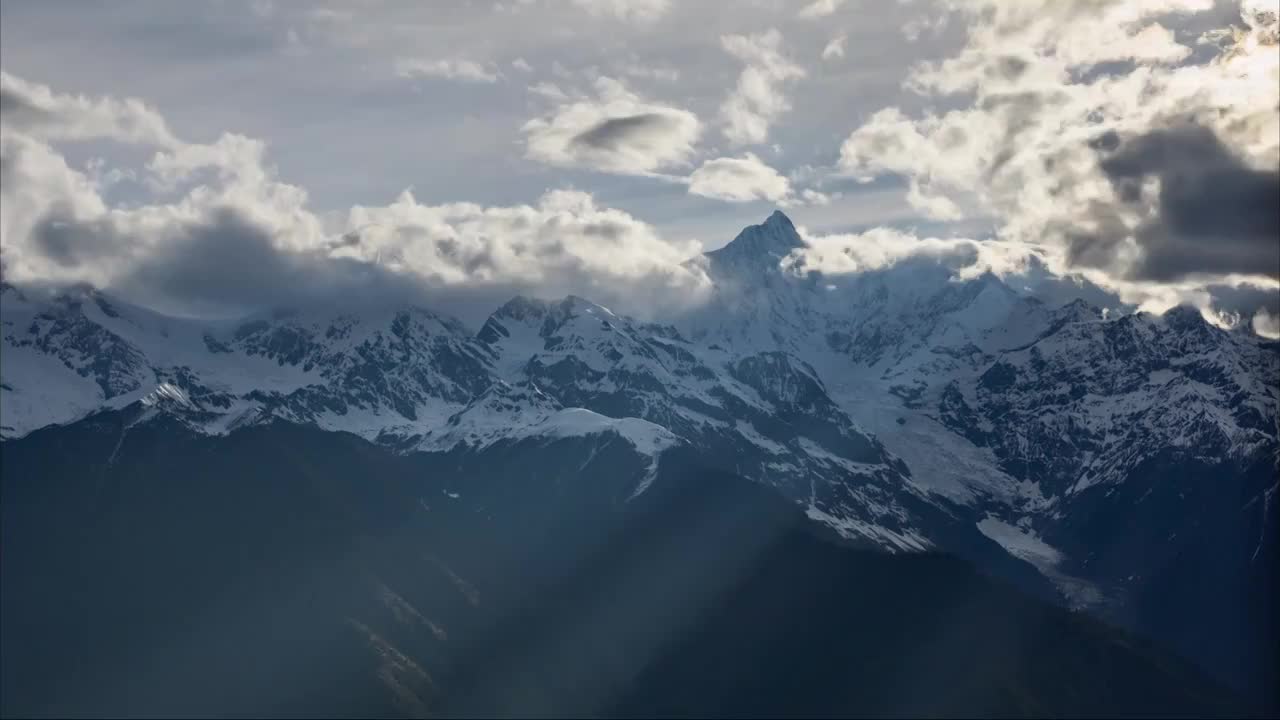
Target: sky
222 156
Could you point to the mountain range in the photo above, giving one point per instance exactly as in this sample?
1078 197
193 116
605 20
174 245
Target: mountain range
1000 446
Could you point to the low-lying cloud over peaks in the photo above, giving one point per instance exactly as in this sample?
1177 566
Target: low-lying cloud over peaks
1137 141
223 234
565 244
1135 145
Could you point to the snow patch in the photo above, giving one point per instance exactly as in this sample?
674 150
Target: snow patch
1022 543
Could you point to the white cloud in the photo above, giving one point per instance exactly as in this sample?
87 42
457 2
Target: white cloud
1266 324
812 197
1036 268
757 100
739 180
644 11
835 48
563 244
651 72
617 132
237 238
1061 105
1052 83
747 179
522 65
549 90
845 253
820 8
916 27
233 157
448 69
38 111
36 182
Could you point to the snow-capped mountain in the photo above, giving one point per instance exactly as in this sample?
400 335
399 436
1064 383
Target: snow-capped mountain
907 407
369 374
763 415
1130 458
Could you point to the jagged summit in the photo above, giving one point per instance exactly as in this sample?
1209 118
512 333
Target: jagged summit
1184 316
779 218
521 307
770 240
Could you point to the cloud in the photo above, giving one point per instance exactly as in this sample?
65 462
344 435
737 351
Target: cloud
835 48
812 197
739 180
38 111
36 184
1036 269
1247 303
449 69
1266 324
236 238
878 248
615 132
820 8
747 179
227 262
757 99
563 244
549 90
232 157
651 72
914 28
58 229
1207 212
522 65
644 11
1091 128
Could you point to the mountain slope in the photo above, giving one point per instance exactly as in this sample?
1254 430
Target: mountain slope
282 570
1125 456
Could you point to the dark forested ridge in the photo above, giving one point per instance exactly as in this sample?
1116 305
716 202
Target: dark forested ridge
281 570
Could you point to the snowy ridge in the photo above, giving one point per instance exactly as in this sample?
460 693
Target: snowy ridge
884 402
763 415
1008 409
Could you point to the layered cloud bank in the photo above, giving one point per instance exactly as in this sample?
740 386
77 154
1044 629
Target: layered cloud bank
1135 142
219 232
1132 147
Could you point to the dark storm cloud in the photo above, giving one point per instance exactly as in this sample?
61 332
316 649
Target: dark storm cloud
1213 215
228 262
618 132
1245 300
72 243
223 264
